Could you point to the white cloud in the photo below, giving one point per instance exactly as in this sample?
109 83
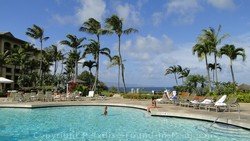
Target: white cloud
91 9
222 4
157 18
63 20
87 9
128 13
148 46
185 10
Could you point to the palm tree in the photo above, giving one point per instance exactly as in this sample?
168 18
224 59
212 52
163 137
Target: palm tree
56 56
37 32
184 73
90 64
212 37
94 49
173 70
92 26
18 57
3 60
193 81
213 67
232 52
75 43
115 23
115 61
202 50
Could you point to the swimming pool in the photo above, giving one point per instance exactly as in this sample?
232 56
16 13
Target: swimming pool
88 123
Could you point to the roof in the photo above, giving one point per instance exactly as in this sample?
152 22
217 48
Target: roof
244 87
10 36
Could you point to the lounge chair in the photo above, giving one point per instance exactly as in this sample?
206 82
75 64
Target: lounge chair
195 103
173 98
187 101
205 103
48 96
164 98
231 103
219 103
91 95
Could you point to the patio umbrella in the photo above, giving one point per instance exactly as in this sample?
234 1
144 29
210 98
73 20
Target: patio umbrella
4 80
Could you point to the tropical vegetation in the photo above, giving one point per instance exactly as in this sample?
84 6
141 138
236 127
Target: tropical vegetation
34 65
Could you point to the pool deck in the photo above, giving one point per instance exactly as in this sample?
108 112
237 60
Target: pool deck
168 110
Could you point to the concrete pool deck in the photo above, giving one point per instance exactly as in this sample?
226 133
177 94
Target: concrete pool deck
168 110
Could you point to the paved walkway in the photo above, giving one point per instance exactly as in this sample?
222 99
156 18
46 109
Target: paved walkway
234 118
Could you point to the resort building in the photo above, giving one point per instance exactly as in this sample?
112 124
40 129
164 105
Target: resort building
7 42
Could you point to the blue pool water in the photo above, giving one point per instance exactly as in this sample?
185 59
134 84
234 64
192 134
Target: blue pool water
87 123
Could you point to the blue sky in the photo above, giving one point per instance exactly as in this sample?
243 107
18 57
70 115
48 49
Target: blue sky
167 31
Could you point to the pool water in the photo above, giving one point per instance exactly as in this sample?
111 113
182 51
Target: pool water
87 123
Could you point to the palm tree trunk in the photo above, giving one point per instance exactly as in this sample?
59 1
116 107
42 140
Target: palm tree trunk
96 73
118 81
121 63
175 79
216 72
123 79
208 74
213 75
76 66
97 65
62 68
232 72
40 69
14 75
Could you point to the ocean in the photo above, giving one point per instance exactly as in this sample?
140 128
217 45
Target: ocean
148 89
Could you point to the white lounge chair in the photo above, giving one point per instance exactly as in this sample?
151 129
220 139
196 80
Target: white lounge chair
91 95
164 98
219 103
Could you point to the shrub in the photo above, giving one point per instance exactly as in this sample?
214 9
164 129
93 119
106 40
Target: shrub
83 89
243 97
225 88
113 89
140 96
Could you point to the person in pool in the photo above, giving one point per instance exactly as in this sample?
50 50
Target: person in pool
105 111
153 104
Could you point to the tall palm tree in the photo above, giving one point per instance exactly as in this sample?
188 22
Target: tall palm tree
56 56
90 64
115 24
173 70
70 65
184 73
3 60
37 33
213 67
115 61
202 50
232 52
75 43
92 26
212 36
94 49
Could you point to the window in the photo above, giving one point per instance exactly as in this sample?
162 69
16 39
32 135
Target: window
7 46
8 77
16 78
17 71
8 70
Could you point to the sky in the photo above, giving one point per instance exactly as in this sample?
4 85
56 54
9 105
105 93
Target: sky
168 29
